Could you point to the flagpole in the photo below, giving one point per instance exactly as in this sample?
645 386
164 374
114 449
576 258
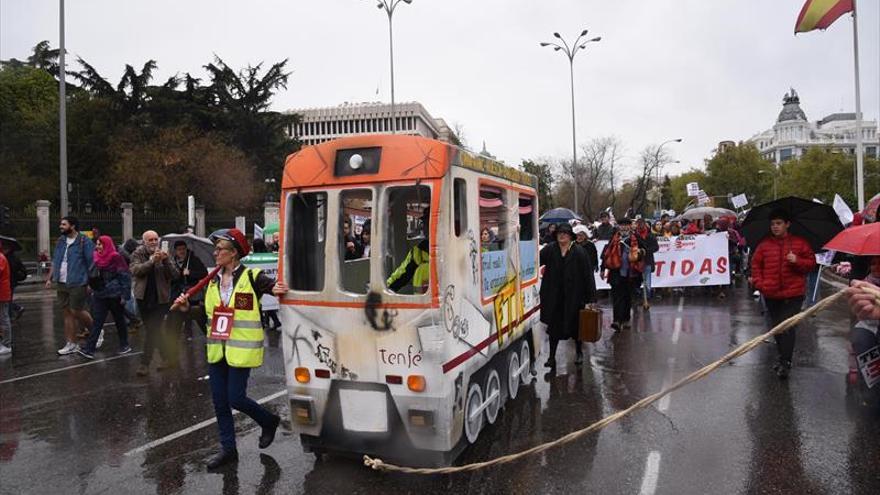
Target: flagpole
860 159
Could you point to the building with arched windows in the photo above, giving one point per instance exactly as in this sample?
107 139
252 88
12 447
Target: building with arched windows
793 134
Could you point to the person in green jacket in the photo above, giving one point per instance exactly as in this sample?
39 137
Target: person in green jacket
416 266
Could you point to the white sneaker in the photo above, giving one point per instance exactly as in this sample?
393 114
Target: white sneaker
68 348
5 350
100 340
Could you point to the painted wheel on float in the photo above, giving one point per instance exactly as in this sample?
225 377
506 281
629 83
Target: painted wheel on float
493 387
525 356
513 375
473 416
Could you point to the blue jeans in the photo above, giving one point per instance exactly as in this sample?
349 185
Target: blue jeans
229 391
100 308
812 280
647 273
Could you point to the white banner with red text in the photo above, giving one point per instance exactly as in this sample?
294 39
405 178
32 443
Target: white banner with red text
685 261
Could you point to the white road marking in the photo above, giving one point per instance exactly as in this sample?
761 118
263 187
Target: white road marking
49 372
652 473
681 304
676 332
663 403
195 427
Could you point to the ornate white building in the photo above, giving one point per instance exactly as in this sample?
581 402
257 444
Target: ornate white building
793 134
351 119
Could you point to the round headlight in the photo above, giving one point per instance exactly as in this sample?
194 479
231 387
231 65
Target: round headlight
356 161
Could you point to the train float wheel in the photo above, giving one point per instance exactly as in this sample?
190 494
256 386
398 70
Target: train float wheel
513 375
525 356
493 396
473 419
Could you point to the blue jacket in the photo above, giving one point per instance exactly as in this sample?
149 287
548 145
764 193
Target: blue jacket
116 285
79 259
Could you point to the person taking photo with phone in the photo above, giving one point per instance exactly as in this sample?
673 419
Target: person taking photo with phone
152 274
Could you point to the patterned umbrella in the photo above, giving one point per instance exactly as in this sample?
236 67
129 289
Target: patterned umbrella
869 214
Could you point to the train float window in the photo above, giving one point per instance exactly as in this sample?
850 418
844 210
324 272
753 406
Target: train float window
406 246
459 200
493 233
306 235
354 246
527 244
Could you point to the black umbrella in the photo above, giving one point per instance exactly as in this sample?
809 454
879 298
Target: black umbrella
9 241
815 222
558 215
202 247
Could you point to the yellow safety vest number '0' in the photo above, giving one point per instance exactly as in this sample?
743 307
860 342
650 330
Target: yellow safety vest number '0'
244 349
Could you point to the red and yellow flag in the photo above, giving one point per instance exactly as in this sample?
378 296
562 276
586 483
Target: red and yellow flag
819 14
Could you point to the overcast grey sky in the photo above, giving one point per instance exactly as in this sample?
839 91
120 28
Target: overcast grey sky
702 70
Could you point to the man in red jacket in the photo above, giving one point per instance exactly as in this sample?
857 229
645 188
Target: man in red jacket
5 300
779 266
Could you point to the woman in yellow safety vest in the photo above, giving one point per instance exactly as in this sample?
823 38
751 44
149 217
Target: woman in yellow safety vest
235 339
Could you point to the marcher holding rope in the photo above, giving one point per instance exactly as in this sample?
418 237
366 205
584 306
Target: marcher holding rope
779 267
235 339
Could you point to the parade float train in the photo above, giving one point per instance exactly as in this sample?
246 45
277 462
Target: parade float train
411 374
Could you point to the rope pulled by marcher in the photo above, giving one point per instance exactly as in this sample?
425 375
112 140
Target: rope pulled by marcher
379 465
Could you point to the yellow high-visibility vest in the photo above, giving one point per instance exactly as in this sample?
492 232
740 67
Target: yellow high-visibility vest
244 349
422 274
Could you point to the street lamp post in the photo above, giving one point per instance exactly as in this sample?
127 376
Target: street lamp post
570 51
389 6
657 161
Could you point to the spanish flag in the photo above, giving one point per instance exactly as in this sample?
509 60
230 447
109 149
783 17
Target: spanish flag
819 14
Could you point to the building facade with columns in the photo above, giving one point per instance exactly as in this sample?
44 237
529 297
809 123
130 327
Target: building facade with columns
317 125
793 134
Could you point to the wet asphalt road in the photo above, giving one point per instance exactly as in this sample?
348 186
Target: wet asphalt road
98 428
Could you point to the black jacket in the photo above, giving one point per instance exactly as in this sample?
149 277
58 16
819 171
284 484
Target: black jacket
592 253
604 231
568 285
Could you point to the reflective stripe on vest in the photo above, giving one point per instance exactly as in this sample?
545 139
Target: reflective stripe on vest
244 349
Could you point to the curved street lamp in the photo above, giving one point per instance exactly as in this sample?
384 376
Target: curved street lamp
389 6
570 51
657 161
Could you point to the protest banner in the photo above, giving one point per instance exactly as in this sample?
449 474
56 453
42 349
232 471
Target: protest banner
268 263
686 261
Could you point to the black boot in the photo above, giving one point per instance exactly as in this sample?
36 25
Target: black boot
225 456
268 435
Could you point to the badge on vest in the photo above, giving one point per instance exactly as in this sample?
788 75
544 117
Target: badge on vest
244 302
222 322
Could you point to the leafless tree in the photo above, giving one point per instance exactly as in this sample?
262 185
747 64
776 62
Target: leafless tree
597 166
650 160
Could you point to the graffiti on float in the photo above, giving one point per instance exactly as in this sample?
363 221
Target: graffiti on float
508 306
473 254
452 321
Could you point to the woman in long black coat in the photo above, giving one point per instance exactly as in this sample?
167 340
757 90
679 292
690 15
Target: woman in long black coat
566 288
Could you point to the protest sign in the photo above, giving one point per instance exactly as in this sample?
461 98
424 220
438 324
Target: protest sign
739 201
693 189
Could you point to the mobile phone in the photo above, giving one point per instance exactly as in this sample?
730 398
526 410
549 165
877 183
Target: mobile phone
164 247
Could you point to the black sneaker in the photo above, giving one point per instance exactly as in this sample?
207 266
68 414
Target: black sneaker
783 369
551 363
579 359
84 353
615 326
268 435
225 456
125 350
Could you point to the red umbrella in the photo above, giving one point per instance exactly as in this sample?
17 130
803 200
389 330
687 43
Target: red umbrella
863 240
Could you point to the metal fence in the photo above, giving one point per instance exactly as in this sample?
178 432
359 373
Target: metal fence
109 222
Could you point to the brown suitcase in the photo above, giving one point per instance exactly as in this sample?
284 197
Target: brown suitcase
590 325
